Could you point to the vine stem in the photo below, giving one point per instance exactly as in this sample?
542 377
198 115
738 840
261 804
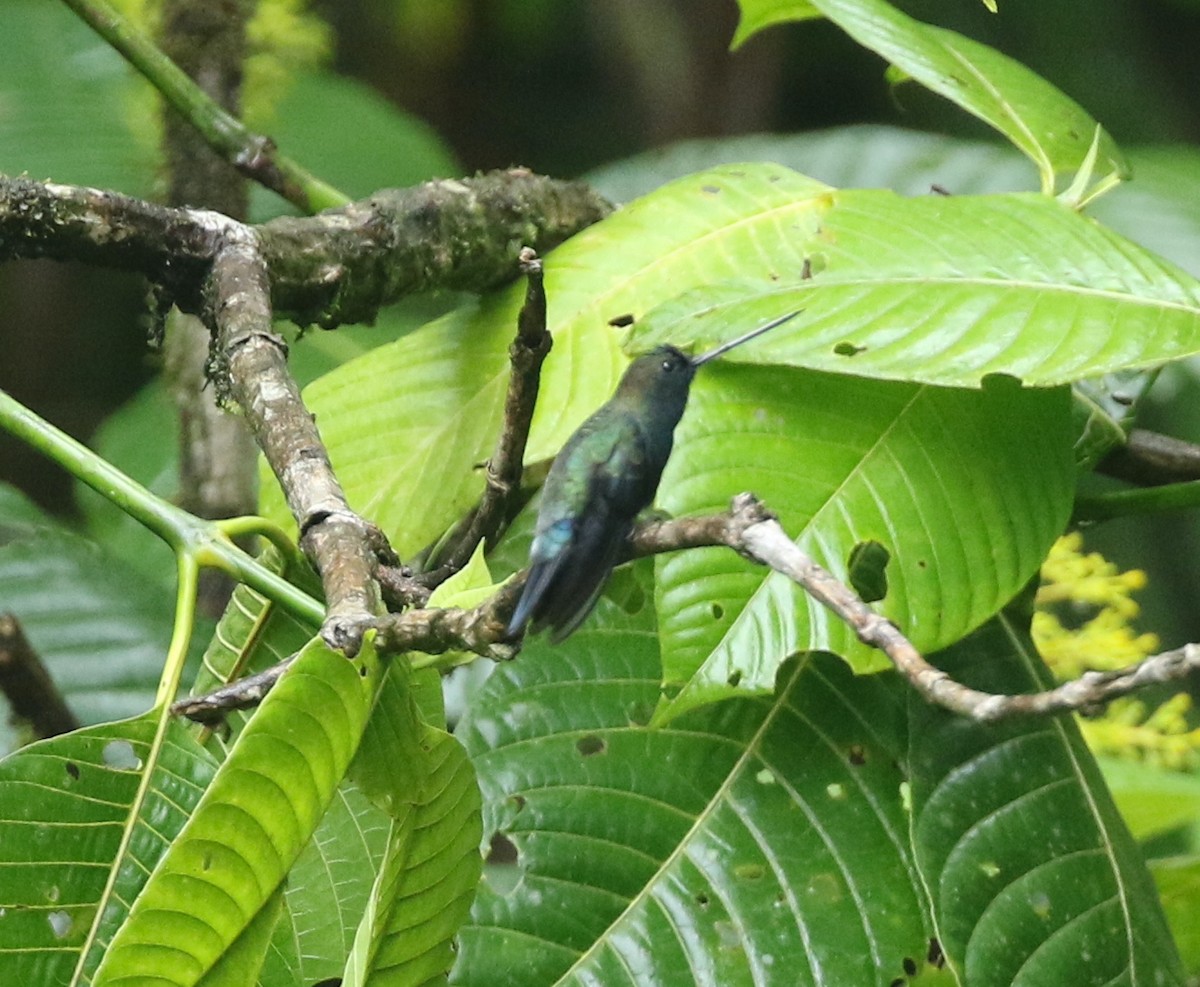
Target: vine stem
252 154
202 543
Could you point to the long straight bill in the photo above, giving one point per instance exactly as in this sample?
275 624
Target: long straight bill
726 347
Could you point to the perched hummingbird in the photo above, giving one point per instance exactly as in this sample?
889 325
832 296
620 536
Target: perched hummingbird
605 475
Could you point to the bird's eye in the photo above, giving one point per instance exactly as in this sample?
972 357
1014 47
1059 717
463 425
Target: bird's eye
668 365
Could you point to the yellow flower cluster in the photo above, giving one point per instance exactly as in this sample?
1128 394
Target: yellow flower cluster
1095 601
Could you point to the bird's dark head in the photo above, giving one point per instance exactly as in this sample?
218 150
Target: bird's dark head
662 375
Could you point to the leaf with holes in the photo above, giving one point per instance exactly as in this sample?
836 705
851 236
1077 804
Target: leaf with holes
762 841
262 807
963 493
83 818
1050 128
1033 875
772 841
947 290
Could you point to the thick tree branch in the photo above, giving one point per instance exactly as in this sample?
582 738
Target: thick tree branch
338 267
338 541
218 461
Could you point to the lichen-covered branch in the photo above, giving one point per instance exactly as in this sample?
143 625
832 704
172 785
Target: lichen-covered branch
340 266
255 364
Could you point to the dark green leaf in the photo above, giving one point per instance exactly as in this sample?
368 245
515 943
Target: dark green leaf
1034 877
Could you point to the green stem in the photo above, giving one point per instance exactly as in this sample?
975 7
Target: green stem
1151 500
192 539
181 633
250 153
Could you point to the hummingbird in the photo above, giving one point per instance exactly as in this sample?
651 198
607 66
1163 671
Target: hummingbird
604 476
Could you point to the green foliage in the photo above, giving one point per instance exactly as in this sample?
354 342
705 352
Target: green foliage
821 835
697 787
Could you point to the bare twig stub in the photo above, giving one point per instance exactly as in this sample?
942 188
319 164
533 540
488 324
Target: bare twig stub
27 685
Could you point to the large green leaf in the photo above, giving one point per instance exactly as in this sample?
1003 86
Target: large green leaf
251 824
965 490
1034 877
767 841
757 842
83 818
328 890
1054 131
431 862
945 290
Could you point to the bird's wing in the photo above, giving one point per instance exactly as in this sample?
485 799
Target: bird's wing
581 535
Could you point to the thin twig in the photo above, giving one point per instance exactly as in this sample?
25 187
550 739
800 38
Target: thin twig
27 685
503 470
749 529
1151 459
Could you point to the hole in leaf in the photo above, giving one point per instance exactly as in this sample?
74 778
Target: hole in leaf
858 756
502 852
329 982
735 678
589 745
119 754
60 924
910 966
72 769
718 611
702 900
206 862
621 321
501 865
847 348
935 956
866 570
898 982
517 801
